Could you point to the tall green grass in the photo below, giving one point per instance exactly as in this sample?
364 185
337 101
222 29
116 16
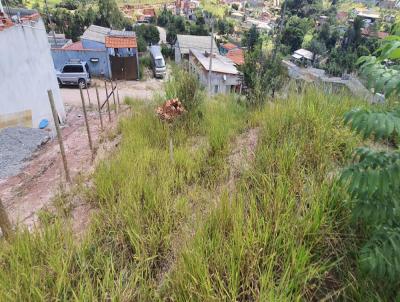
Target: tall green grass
286 236
164 231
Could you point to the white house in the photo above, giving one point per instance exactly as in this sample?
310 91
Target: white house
26 72
224 74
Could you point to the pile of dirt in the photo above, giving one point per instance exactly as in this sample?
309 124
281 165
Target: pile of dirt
16 146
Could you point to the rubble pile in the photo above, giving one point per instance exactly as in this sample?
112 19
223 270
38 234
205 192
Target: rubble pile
170 110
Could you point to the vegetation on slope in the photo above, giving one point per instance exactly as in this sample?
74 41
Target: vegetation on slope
173 231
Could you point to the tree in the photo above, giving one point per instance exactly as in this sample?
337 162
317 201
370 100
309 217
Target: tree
372 179
251 38
294 32
317 48
171 34
109 15
148 32
263 75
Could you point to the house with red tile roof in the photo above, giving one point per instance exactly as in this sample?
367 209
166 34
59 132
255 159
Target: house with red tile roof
26 71
108 53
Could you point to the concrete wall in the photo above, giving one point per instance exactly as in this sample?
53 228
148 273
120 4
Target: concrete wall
178 55
100 69
26 73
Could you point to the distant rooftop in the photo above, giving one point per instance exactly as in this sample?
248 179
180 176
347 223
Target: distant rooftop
96 33
99 33
219 63
187 42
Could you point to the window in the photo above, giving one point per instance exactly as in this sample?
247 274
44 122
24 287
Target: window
73 68
159 63
216 89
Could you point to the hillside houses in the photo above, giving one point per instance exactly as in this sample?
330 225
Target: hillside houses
109 53
27 74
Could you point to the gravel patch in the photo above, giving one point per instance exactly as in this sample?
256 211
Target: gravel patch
17 145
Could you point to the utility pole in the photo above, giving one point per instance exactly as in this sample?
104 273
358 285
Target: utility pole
51 23
211 55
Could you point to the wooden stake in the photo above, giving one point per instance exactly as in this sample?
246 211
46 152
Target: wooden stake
87 123
108 102
5 223
119 104
113 93
99 107
60 141
88 96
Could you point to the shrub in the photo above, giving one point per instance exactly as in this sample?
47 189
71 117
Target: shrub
186 87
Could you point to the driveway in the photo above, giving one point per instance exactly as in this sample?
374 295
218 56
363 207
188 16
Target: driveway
143 90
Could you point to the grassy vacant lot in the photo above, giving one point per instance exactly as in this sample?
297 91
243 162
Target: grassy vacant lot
182 232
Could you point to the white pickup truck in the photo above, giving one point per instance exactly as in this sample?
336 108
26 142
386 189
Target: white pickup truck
74 73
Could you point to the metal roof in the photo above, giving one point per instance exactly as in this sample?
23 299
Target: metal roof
96 33
187 42
304 53
219 63
122 33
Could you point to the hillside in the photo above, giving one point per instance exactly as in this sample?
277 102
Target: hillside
247 210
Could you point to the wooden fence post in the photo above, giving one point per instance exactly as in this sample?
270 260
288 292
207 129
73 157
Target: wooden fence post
98 105
113 93
87 90
60 141
119 104
5 223
108 101
87 123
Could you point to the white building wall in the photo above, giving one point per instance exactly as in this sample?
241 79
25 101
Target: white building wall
26 73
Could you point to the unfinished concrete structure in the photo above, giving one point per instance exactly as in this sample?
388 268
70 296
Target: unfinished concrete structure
26 71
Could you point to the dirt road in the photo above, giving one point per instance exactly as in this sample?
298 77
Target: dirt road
143 90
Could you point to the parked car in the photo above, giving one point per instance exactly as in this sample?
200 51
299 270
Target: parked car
157 61
74 73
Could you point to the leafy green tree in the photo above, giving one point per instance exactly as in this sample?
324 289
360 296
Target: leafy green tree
251 38
109 15
317 48
373 177
171 34
294 32
263 75
148 32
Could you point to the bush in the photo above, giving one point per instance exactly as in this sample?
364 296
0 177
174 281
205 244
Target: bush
186 87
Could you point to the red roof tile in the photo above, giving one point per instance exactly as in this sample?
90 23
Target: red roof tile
121 42
229 46
236 55
74 46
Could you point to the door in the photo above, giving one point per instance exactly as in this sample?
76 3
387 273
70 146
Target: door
124 68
